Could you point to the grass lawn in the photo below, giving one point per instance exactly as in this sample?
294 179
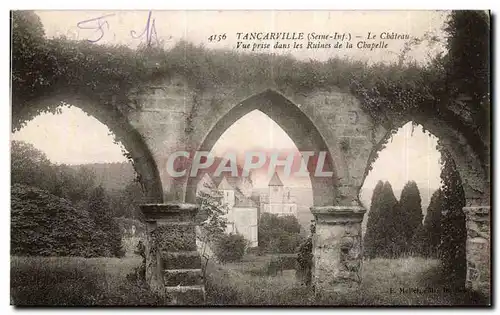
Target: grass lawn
76 281
103 281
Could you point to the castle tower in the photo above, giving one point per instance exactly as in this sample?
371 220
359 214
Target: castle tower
275 187
228 192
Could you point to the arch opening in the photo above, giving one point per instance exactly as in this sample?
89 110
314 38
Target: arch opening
134 147
295 124
414 196
72 167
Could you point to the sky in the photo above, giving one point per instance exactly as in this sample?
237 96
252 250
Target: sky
73 137
124 27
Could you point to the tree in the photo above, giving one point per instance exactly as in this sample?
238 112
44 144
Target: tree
468 47
392 219
411 207
75 185
428 236
230 247
125 202
30 166
385 224
468 72
374 226
211 214
454 234
279 234
43 224
107 235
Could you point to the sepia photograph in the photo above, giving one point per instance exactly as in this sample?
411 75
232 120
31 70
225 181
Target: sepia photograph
250 158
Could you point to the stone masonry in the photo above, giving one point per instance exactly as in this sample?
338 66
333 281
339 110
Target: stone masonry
169 115
478 249
337 249
173 264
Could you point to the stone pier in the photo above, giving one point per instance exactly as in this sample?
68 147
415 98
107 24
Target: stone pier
478 249
337 249
173 264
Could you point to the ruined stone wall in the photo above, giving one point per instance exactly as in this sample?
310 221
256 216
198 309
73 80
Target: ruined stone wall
478 249
172 116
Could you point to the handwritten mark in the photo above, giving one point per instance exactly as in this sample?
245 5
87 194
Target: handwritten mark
99 27
149 31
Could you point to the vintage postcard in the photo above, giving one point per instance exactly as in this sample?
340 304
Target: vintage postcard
250 158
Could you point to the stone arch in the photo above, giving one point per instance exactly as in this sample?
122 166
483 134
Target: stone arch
118 123
299 127
475 178
472 172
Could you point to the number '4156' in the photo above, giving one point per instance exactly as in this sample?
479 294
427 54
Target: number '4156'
217 38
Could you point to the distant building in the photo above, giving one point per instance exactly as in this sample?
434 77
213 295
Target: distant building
244 208
243 213
278 200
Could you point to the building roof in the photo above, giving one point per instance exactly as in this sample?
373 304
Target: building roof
224 185
245 203
275 181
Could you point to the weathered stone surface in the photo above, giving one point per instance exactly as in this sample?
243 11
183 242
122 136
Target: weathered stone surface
181 260
337 249
175 237
153 261
170 115
171 255
186 295
478 249
183 277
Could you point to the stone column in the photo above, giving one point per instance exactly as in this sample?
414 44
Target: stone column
478 249
173 264
337 249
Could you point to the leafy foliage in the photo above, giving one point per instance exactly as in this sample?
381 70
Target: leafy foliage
305 261
279 234
374 225
427 238
469 62
212 213
30 166
107 229
384 235
411 207
230 247
454 233
54 188
45 225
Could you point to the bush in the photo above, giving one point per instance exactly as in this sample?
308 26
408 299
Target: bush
45 225
230 247
279 234
304 261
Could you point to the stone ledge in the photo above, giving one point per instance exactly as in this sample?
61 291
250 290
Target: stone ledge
186 295
338 214
183 277
169 207
169 211
181 260
477 212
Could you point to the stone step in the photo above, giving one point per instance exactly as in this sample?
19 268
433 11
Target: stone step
186 295
183 277
181 260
